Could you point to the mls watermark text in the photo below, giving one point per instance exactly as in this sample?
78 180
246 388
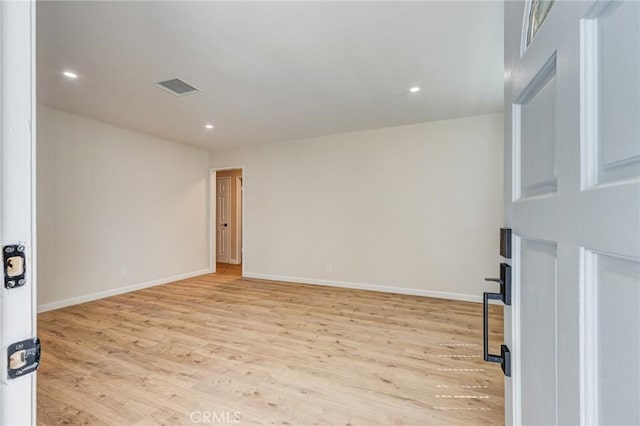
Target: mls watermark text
215 417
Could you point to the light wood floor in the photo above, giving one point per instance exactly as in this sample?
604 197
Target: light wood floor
243 351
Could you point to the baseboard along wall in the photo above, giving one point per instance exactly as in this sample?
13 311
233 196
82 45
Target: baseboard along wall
370 287
113 292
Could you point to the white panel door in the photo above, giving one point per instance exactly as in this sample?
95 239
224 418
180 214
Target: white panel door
17 210
572 150
223 219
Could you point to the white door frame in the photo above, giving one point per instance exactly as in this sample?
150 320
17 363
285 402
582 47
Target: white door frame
238 218
17 198
212 215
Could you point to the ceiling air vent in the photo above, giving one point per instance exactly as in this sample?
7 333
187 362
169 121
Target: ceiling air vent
177 87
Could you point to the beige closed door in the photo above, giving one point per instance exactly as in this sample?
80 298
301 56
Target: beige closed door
223 218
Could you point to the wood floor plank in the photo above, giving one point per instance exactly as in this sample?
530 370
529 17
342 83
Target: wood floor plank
265 352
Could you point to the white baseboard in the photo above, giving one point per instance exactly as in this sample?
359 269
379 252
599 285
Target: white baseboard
371 287
120 290
234 262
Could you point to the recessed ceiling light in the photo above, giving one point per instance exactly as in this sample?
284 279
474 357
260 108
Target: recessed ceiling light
71 75
414 89
208 126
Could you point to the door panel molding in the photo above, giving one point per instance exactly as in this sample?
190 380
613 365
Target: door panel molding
611 295
538 283
609 70
534 142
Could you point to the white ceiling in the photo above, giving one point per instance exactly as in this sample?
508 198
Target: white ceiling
270 71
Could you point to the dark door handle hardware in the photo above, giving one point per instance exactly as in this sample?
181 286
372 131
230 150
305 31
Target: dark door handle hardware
505 242
505 284
225 224
504 359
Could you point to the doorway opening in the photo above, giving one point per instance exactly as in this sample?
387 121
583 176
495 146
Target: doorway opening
226 220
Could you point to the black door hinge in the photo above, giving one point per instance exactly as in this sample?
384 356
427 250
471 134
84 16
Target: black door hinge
23 357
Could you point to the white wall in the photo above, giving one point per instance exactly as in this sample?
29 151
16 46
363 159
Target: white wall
413 209
117 210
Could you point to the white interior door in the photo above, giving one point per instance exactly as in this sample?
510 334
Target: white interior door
572 112
17 236
223 219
